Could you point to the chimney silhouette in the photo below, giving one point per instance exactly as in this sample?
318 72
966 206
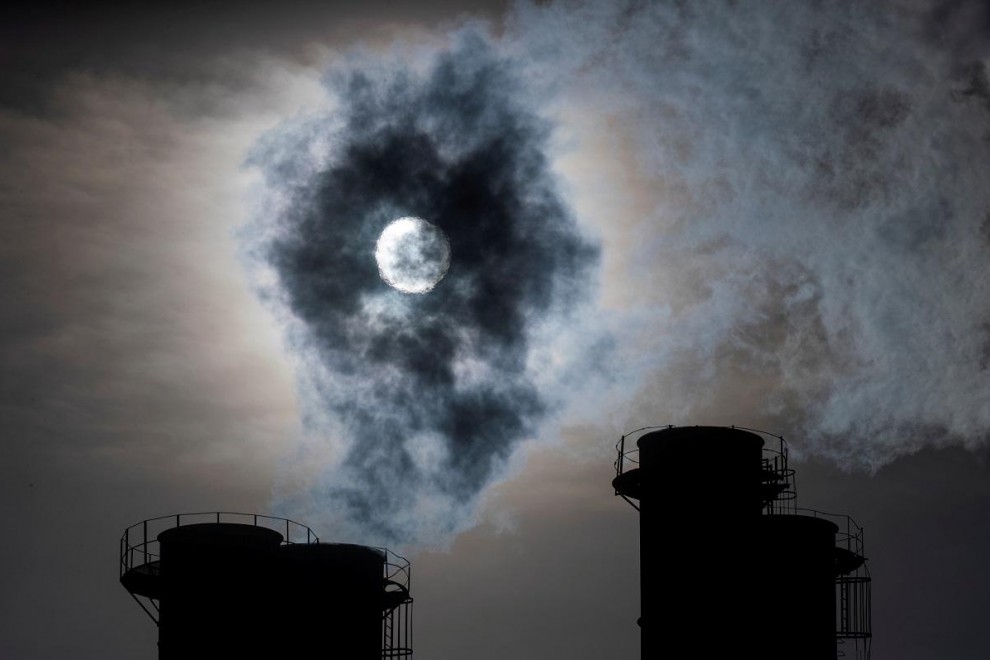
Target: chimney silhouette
726 557
230 585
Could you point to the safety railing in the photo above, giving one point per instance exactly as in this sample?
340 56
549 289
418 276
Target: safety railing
397 569
139 544
850 534
630 457
780 487
779 479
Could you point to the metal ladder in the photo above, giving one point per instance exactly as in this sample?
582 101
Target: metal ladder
388 631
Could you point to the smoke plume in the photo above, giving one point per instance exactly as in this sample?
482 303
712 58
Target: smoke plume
794 224
811 251
425 395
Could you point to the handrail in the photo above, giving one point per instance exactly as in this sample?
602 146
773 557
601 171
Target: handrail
145 543
623 455
850 532
139 543
397 569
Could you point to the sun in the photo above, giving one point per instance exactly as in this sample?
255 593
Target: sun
413 255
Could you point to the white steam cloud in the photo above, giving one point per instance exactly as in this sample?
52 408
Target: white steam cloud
815 234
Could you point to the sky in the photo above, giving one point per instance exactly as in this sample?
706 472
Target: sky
771 216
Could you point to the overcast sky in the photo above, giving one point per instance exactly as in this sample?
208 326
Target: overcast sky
685 213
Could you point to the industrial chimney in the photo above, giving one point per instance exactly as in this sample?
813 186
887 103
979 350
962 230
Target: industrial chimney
228 585
726 557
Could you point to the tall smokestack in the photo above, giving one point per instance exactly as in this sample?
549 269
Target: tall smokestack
727 557
223 585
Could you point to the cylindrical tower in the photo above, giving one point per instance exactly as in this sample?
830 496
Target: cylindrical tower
337 599
698 492
224 585
217 582
726 558
799 551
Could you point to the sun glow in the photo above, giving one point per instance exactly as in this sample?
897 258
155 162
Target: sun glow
413 255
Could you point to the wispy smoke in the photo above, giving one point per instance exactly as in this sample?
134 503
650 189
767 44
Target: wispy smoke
426 395
817 251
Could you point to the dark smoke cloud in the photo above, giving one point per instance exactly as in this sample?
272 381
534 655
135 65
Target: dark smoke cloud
425 395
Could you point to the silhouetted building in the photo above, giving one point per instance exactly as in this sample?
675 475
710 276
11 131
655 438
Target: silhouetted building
727 560
227 585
